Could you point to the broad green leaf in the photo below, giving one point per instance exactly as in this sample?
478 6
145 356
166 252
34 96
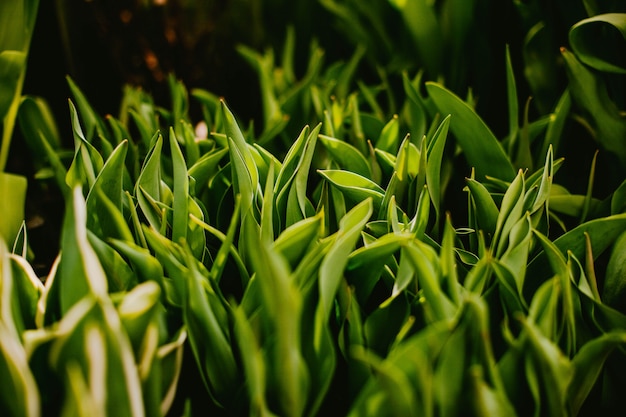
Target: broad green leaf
27 288
346 156
614 292
12 200
425 261
365 264
294 242
618 199
483 151
288 377
243 185
181 191
290 163
145 266
107 220
37 123
110 183
590 93
486 212
20 395
487 401
120 276
253 363
389 138
588 365
602 233
12 67
515 258
138 311
205 168
434 159
210 344
239 152
390 393
600 41
89 159
148 186
298 205
79 273
511 210
449 275
91 337
335 261
550 366
421 21
353 186
17 19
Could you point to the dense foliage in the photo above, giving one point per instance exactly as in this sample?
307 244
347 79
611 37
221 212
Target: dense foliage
369 245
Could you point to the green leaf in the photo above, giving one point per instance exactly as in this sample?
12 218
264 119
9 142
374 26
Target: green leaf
421 21
614 292
486 212
346 156
91 338
27 290
253 363
12 200
294 242
481 148
245 174
546 363
354 187
36 122
20 395
79 273
588 364
388 140
144 265
110 183
205 168
436 146
17 20
138 311
511 210
90 119
365 264
600 42
148 186
590 93
181 191
511 89
120 276
203 315
298 205
288 377
618 199
336 259
602 233
12 64
554 133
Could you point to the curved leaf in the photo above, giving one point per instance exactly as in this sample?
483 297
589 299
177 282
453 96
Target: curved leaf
479 144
